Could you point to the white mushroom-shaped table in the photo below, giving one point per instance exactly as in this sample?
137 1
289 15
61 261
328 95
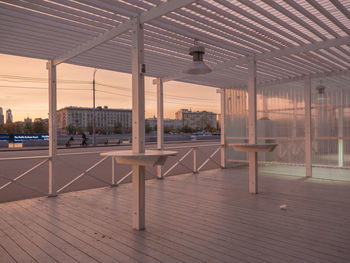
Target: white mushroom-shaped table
139 161
148 158
253 149
261 147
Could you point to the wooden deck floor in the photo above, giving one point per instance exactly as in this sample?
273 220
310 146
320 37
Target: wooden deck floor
208 217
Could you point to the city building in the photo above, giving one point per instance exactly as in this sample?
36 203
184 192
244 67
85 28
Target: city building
170 123
1 117
105 119
27 120
197 120
9 117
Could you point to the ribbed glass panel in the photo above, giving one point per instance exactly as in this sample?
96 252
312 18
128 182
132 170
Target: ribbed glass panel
236 122
330 127
281 120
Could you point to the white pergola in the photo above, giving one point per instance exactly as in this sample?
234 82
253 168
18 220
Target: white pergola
254 43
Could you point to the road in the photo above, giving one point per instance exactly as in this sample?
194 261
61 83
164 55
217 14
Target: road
72 162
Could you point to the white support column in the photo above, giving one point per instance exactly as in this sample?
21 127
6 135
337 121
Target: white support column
52 126
138 123
308 139
114 172
341 131
160 123
195 153
222 127
253 156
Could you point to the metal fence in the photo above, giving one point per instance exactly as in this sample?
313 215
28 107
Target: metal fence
83 170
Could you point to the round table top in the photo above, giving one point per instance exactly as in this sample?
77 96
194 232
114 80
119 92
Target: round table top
147 153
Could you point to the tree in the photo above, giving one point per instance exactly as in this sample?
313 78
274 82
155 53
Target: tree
89 128
27 129
101 131
187 129
148 128
168 129
39 127
12 128
118 128
70 129
80 130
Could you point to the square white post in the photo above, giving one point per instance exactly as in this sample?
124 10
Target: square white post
160 122
341 130
253 156
308 141
52 126
195 151
138 123
114 172
222 126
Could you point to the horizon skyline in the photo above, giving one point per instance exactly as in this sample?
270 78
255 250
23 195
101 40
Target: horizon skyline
150 117
20 73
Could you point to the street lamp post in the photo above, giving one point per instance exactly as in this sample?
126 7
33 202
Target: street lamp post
93 111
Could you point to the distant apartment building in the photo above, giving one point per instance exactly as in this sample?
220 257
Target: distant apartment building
171 123
9 117
27 120
105 118
198 120
1 117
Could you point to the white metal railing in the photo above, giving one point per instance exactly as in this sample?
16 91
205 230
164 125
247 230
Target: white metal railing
87 172
15 180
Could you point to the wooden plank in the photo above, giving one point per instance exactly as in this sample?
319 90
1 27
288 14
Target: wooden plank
35 252
145 252
113 240
13 249
68 248
5 257
209 218
187 221
49 248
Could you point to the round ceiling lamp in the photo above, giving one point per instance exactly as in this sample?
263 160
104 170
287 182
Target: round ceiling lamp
197 66
321 92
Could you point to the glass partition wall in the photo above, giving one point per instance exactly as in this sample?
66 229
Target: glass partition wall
281 120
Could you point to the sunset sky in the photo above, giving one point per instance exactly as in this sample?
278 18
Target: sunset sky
23 89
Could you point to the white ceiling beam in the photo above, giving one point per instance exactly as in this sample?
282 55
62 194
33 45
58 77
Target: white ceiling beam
147 16
275 54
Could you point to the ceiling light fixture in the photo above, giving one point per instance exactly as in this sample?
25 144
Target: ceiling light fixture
321 92
197 66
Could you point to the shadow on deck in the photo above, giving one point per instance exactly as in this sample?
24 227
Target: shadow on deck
207 217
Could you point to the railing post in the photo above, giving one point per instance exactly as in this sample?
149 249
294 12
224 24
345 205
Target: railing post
114 172
308 141
195 153
52 126
160 124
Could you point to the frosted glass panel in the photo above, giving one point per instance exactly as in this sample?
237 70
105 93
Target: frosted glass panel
331 117
281 119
